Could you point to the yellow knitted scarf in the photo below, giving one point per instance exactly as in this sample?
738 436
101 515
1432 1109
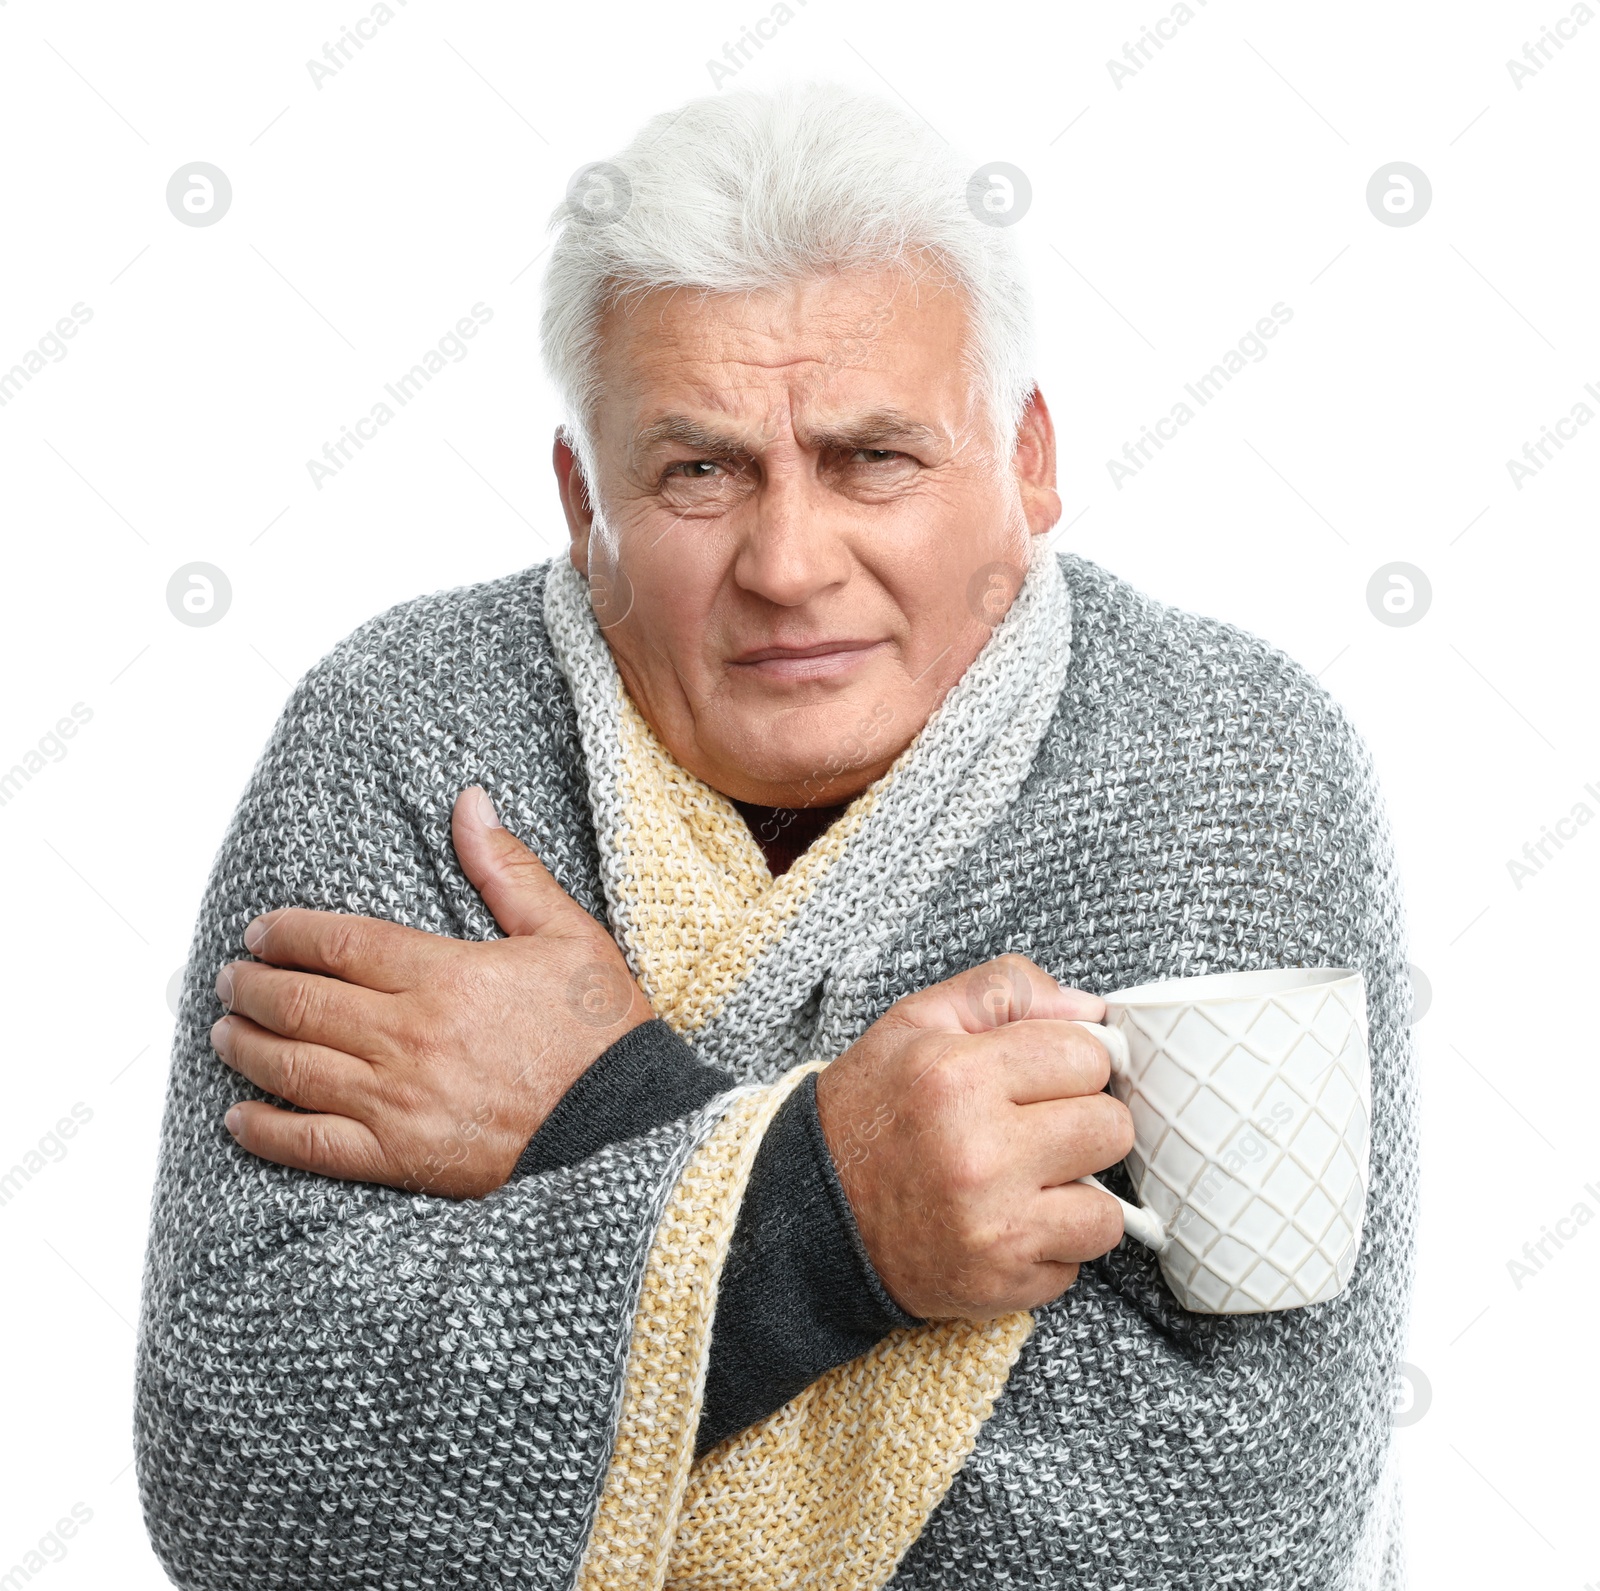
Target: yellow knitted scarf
833 1488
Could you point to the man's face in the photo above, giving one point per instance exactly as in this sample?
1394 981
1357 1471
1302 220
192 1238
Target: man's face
800 493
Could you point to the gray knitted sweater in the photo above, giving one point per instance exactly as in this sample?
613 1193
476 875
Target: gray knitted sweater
345 1386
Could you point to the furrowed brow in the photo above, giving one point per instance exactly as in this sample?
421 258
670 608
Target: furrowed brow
681 431
876 429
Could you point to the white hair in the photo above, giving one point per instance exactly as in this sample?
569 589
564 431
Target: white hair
751 190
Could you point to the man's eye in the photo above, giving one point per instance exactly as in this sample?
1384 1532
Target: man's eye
876 455
695 469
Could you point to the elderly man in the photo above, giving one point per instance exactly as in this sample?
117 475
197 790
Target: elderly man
630 1093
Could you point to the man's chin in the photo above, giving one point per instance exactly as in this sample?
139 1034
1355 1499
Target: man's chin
815 753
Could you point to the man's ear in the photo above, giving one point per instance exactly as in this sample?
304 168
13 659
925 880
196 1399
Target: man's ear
575 502
1034 463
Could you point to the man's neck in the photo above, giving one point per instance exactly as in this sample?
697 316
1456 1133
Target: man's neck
785 833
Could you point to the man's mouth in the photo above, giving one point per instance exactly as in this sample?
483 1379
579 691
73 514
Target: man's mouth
819 660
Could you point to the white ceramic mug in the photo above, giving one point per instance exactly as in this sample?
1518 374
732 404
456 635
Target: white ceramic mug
1251 1101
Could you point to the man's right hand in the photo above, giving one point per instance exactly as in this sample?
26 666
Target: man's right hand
959 1123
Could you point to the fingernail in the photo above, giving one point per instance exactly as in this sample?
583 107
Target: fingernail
254 934
220 1032
225 987
487 815
233 1120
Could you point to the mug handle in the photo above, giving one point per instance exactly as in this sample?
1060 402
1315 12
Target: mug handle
1138 1221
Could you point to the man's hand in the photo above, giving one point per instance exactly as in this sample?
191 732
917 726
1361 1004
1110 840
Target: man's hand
428 1062
959 1122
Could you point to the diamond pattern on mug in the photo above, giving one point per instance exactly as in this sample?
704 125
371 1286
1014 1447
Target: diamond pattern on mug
1266 1284
1343 1176
1231 1260
1333 1026
1241 1078
1313 1145
1273 1030
1287 1185
1306 1065
1258 1225
1209 1291
1167 1086
1201 1041
1355 1205
1254 1145
1316 1214
1177 1162
1208 1121
1290 1249
1337 1099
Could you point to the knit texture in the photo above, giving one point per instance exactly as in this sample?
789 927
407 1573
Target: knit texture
701 909
649 1469
831 1490
647 1078
345 1386
797 1294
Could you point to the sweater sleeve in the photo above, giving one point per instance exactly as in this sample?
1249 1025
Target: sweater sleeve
1140 1443
799 1295
341 1384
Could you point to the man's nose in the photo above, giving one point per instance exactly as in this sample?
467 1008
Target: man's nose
791 550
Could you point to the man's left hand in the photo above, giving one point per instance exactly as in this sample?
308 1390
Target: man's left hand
418 1061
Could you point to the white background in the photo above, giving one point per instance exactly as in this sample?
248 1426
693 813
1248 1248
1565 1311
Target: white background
1169 214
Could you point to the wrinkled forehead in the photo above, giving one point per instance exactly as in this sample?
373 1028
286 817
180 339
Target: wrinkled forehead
872 355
